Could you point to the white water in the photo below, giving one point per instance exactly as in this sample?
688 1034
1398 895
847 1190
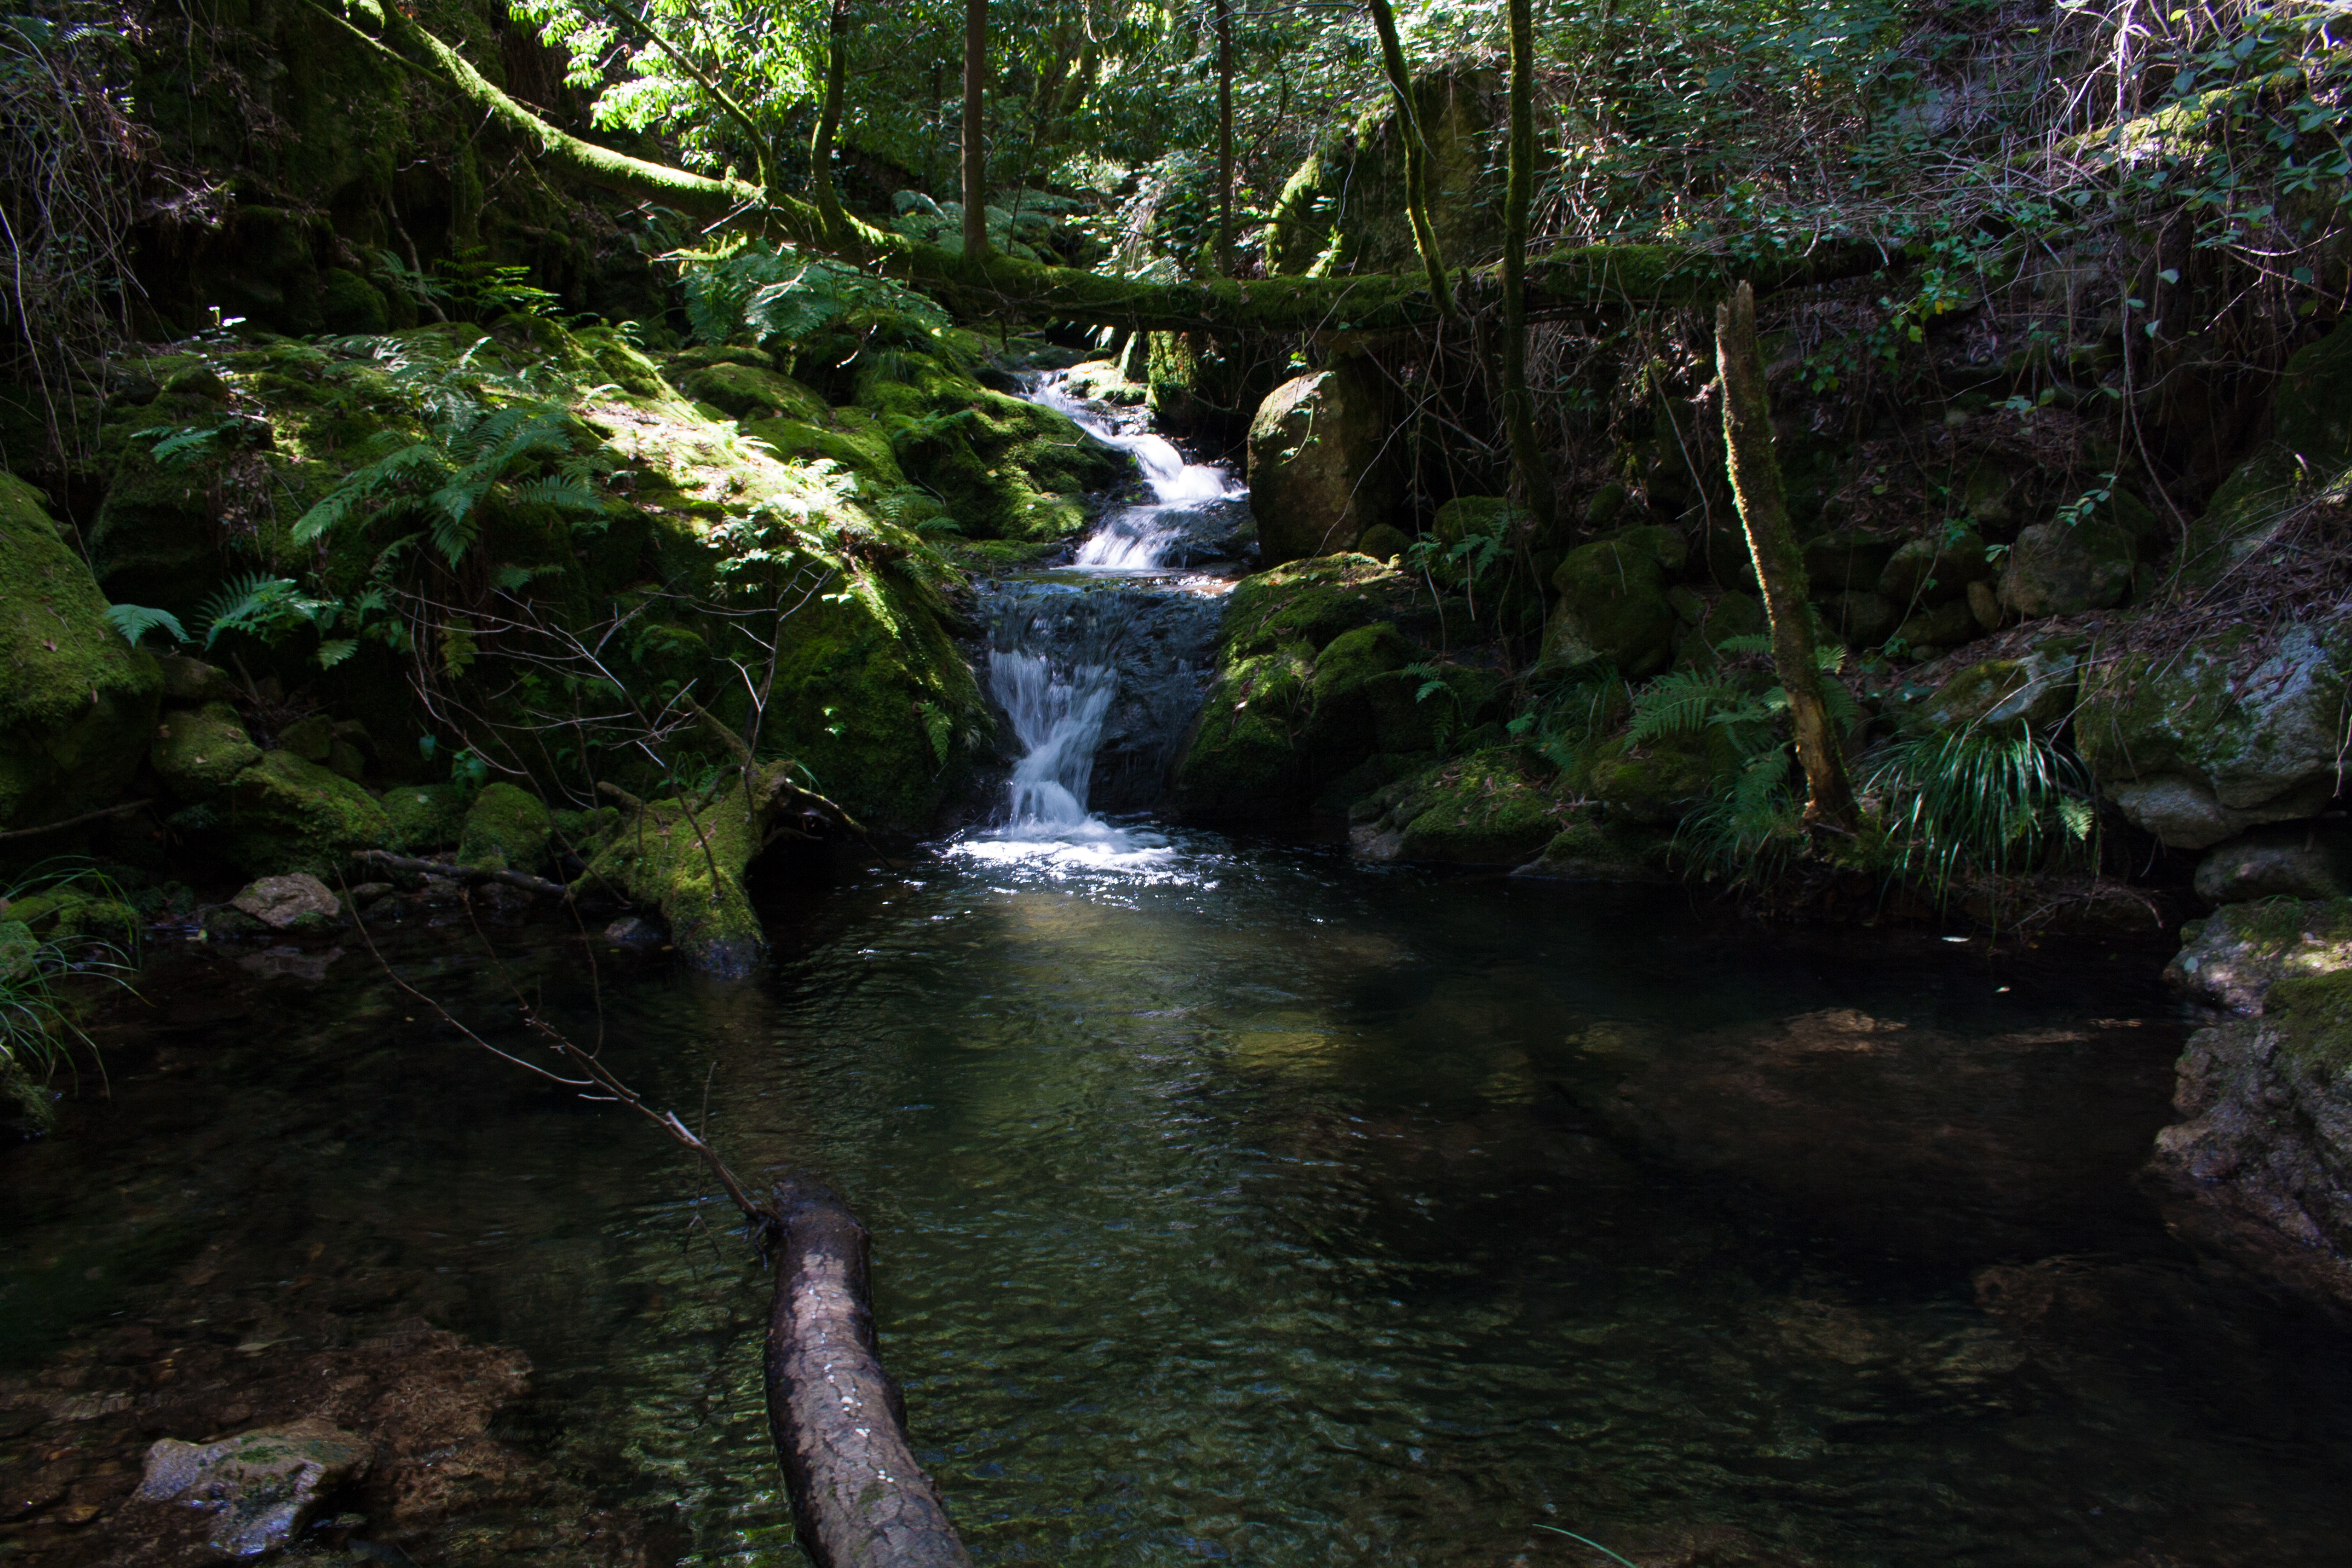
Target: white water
1138 538
1054 662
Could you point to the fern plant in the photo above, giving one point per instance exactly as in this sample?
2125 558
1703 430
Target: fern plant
135 621
756 293
476 458
261 606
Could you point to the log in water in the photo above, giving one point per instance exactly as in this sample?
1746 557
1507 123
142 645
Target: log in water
859 1501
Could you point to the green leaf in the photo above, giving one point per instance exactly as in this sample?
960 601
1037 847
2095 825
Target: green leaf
135 621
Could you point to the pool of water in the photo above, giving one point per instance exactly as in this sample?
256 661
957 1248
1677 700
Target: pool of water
1231 1202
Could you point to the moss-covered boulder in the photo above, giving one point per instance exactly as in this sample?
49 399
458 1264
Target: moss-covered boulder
1592 849
2064 569
1343 209
199 751
1613 600
506 829
1318 470
1102 380
1928 571
1848 561
2309 453
2286 859
286 814
2260 1168
1313 601
1656 782
1494 807
750 392
77 704
2037 690
421 818
2238 729
1242 756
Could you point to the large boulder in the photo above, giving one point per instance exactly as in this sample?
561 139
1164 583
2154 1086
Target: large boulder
1494 807
1933 571
287 814
506 829
1614 603
2063 568
1318 470
2260 1171
1343 209
2286 859
199 751
2235 730
2036 690
76 703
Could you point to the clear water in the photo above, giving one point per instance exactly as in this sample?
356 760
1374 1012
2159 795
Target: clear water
1234 1202
1142 536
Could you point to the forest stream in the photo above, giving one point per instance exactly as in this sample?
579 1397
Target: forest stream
1230 1201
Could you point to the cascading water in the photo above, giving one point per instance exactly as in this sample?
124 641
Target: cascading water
1098 666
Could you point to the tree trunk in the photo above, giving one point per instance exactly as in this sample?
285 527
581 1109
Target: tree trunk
1416 157
828 126
975 149
1518 406
1780 567
1225 138
859 1501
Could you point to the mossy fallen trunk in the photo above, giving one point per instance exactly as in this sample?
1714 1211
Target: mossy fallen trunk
686 857
838 1421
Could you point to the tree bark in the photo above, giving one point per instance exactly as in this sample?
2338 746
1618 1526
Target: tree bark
828 127
1780 566
1224 253
1518 405
859 1501
1416 156
975 148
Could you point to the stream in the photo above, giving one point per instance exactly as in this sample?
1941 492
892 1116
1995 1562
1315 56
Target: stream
1230 1201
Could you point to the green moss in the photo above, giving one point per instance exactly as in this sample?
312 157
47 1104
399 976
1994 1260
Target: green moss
352 304
748 391
506 829
1613 599
1654 783
2313 1014
1313 601
1494 807
862 448
1242 756
688 860
422 817
289 815
76 703
1596 850
199 752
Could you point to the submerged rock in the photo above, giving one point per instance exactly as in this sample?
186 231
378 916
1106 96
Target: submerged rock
286 903
265 1485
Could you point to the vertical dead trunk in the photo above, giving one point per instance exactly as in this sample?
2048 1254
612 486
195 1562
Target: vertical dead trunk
975 150
859 1501
1225 138
1780 567
828 127
1518 406
1416 156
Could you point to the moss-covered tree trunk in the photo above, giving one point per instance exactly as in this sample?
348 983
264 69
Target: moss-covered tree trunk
828 126
1780 566
1519 196
1416 156
975 128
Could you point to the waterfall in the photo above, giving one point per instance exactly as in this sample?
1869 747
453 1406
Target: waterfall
1098 668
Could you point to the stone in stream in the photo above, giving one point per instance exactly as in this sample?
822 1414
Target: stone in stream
264 1485
289 902
1318 464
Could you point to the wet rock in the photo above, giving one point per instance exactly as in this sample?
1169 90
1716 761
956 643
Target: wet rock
191 680
2063 568
285 903
2234 732
631 930
1318 464
2234 958
2291 859
198 752
264 1486
506 829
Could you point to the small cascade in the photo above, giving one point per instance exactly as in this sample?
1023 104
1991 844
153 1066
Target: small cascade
1196 512
1100 667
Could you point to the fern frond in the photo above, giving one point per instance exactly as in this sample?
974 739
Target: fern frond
1679 702
135 621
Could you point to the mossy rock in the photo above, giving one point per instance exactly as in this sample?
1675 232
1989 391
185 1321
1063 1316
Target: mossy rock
1656 783
862 448
2064 569
350 303
2313 1014
689 863
2310 451
506 829
1340 729
1313 602
424 817
27 1110
1613 601
1003 467
312 739
77 704
1590 850
191 680
1408 715
1102 380
198 752
1493 807
2230 733
1846 561
2037 691
1320 466
1242 758
1932 572
286 814
747 391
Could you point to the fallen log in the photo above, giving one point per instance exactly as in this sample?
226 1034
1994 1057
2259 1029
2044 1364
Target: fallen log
859 1501
465 873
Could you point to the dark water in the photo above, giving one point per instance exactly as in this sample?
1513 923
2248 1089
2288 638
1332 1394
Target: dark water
1236 1204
